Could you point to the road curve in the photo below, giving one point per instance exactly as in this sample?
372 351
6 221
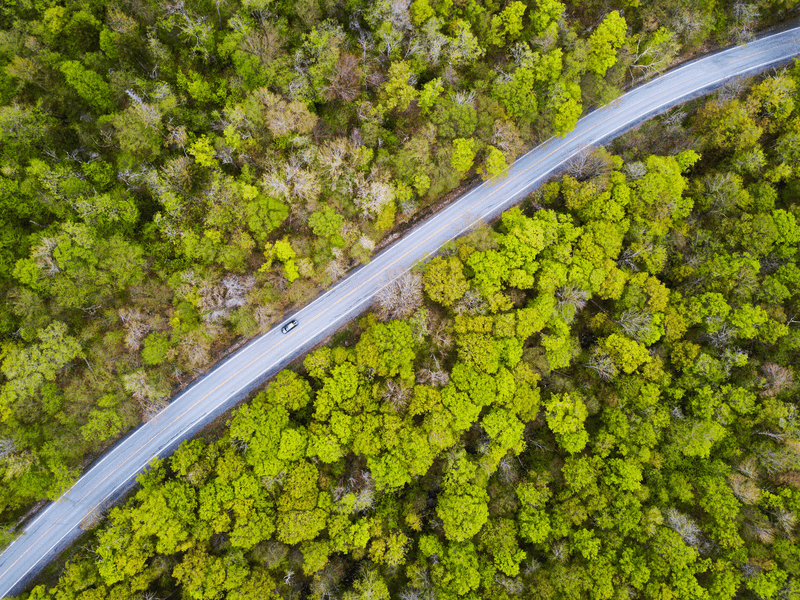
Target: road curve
60 523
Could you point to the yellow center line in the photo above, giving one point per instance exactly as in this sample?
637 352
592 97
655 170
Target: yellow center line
348 294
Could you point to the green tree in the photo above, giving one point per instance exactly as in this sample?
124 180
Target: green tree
388 349
90 86
463 156
604 43
566 414
495 164
444 280
27 368
462 505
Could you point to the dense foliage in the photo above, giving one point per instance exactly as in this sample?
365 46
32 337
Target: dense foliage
175 175
594 399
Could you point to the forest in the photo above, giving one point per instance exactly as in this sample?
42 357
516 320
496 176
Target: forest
593 398
176 176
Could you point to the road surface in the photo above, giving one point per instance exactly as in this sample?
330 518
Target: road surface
60 523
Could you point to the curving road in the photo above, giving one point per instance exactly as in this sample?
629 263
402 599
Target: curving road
60 523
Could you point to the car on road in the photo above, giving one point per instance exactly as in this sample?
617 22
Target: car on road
289 326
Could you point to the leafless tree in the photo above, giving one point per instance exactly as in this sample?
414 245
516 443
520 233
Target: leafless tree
750 570
633 252
344 84
507 138
266 315
635 322
776 459
749 467
137 324
722 191
683 525
194 349
42 254
217 300
587 164
7 447
177 137
723 336
400 297
366 242
441 334
265 42
559 551
337 268
786 520
293 181
372 197
649 59
177 172
513 586
570 300
776 379
686 22
635 170
471 302
433 373
744 488
761 530
396 395
92 518
151 401
746 18
601 363
332 155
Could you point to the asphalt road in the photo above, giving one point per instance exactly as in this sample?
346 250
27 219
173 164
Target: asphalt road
60 523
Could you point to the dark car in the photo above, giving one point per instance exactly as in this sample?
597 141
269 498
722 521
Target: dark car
289 326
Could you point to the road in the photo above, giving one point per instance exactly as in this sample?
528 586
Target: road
60 523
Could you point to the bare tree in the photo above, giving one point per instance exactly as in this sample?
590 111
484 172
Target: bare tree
587 164
194 349
507 138
400 297
344 84
42 254
744 488
570 300
151 401
332 155
635 322
471 302
776 379
635 170
762 531
433 373
683 525
177 172
722 190
7 447
372 197
776 459
746 18
786 520
396 395
337 268
137 324
217 300
265 42
266 315
601 363
723 336
559 551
